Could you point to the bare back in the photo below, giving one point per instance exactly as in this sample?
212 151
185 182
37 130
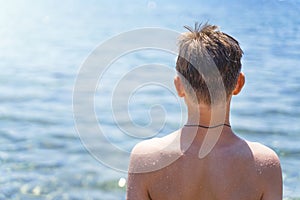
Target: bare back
234 169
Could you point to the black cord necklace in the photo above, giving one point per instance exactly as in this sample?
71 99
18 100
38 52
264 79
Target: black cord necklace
198 125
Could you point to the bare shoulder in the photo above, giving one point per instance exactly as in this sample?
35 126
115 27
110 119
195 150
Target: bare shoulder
154 154
151 146
268 168
267 163
146 157
263 154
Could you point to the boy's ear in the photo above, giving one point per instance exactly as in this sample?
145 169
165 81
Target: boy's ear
179 86
240 83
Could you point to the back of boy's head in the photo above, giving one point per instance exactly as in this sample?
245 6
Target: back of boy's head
209 61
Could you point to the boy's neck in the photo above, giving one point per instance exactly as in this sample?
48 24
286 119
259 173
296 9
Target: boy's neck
206 115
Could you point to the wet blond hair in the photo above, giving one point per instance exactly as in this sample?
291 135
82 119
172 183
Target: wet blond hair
209 62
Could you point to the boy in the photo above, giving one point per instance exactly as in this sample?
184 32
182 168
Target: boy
205 159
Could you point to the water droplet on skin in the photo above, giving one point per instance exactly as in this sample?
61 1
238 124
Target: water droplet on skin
167 188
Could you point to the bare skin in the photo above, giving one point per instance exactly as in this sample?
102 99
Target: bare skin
234 169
